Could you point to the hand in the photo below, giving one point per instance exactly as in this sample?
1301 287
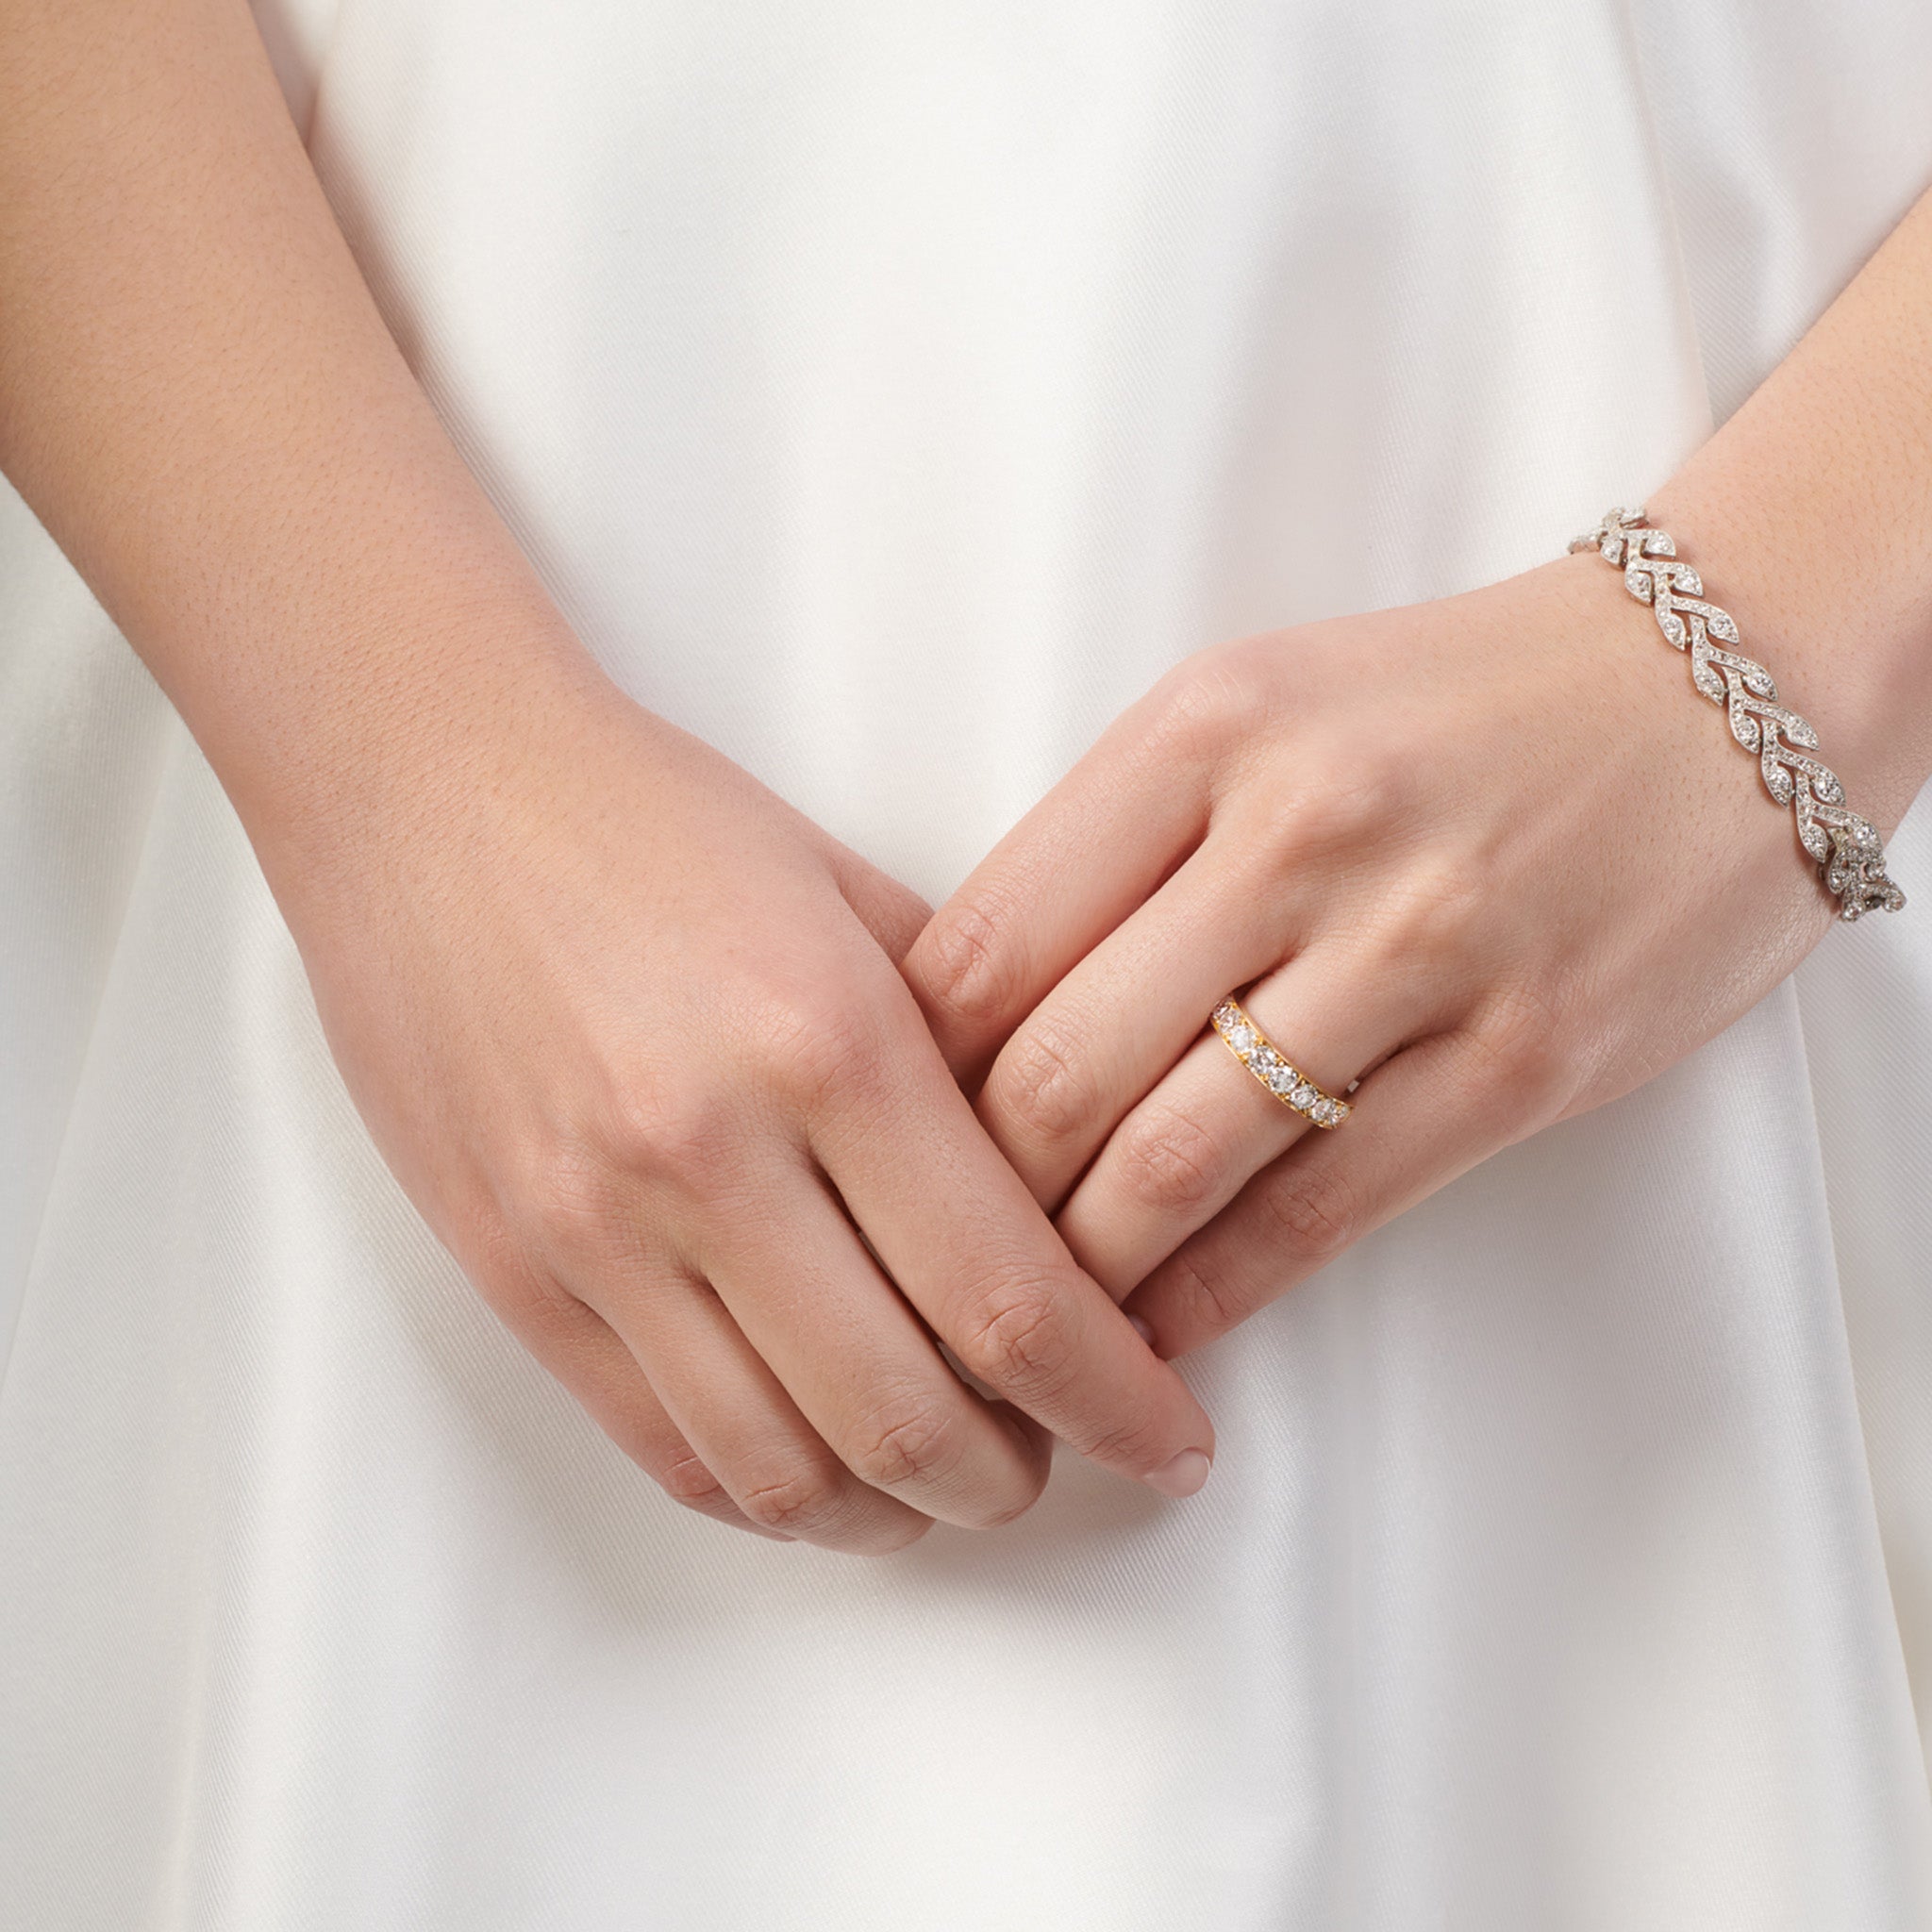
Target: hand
629 1031
1491 855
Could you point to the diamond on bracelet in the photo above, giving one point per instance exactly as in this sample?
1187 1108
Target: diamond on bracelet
1849 853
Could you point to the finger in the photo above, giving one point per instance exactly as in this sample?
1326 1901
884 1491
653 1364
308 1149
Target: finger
1189 1147
1124 1014
893 914
1420 1119
862 1368
585 1354
1095 847
740 1419
971 1249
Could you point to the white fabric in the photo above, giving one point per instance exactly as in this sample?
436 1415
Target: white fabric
889 392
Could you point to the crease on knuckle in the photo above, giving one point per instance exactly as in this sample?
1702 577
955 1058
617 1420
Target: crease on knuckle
690 1483
803 1503
903 1442
1041 1086
1313 1210
1130 1444
1019 1343
1214 1303
965 965
1167 1160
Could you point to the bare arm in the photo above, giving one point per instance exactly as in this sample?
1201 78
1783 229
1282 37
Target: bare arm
1810 510
200 401
626 1026
1491 853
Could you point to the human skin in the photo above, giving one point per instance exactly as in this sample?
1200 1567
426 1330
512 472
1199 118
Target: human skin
627 1027
1494 854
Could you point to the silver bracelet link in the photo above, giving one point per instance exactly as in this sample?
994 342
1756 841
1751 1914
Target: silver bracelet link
1850 856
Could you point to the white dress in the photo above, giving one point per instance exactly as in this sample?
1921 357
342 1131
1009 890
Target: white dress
890 390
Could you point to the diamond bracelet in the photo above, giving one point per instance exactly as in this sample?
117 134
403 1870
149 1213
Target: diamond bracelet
1850 856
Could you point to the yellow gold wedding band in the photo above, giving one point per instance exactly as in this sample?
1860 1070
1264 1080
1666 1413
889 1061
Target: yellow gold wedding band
1271 1066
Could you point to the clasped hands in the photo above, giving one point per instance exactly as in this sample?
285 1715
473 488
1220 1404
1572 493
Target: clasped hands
757 1155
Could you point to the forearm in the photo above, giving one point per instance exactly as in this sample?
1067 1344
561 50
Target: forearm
199 399
1811 515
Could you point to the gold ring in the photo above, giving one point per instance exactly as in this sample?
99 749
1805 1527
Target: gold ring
1270 1066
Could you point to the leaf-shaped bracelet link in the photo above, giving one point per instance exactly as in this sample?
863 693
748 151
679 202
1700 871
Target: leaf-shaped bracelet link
1850 856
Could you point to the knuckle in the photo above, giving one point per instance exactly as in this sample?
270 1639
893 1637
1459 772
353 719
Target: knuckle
579 1194
803 1503
689 1483
1313 1212
1520 1038
905 1441
1216 1302
570 1209
1132 1437
1215 696
966 972
544 1311
673 1132
1019 1341
1043 1086
1167 1160
1208 1301
813 1045
500 1258
896 1534
1434 910
1342 803
997 1515
1133 1445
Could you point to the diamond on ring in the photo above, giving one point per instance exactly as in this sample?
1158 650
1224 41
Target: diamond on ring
1288 1085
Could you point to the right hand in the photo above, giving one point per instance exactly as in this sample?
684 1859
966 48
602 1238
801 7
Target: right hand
629 1031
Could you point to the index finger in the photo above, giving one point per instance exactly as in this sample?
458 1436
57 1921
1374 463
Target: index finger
1095 847
970 1248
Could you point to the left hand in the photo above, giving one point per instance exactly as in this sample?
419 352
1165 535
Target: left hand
1492 855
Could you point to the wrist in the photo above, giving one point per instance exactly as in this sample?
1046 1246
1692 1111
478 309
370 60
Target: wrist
1810 513
1841 619
390 726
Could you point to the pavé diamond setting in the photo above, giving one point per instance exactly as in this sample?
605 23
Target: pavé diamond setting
1288 1085
1850 856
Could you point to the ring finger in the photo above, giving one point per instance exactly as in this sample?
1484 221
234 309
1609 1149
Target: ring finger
1190 1145
1071 1072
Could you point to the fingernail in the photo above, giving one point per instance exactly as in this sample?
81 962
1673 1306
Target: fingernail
1144 1329
1182 1476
